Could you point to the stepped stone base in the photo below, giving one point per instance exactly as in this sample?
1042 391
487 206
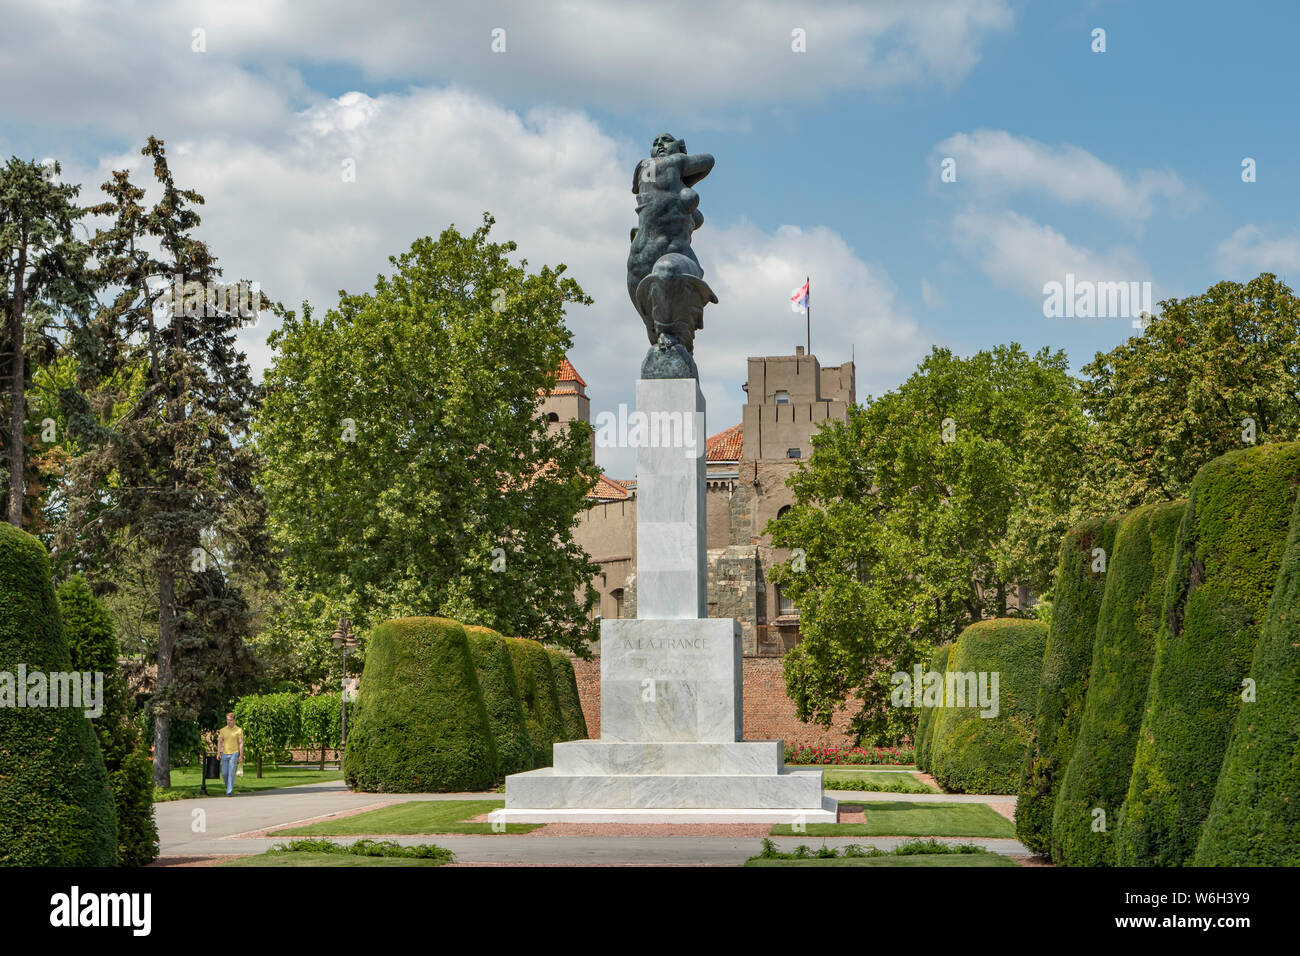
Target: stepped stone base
827 813
605 757
545 789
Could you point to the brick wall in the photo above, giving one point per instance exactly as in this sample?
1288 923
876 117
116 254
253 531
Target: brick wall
769 713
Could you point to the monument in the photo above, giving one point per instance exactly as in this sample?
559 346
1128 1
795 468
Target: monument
671 748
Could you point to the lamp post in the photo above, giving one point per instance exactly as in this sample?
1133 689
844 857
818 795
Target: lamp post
343 639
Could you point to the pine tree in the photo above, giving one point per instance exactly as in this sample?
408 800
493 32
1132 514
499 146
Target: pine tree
173 472
41 275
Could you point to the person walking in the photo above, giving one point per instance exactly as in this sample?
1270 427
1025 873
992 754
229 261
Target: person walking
232 751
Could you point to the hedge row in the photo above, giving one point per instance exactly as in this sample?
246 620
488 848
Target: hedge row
56 801
1082 573
1225 565
449 708
1096 778
982 751
925 723
1255 817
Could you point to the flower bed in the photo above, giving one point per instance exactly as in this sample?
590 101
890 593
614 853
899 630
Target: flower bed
861 756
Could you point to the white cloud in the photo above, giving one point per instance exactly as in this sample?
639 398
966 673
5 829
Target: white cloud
995 163
1251 250
122 67
1019 254
281 214
930 295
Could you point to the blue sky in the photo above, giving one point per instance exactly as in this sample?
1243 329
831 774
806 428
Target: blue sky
1116 166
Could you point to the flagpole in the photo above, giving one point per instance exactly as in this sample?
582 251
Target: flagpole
808 312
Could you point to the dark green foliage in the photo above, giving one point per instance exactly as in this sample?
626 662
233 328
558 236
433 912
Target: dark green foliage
1064 680
566 690
92 644
423 726
536 681
1255 816
974 754
56 808
496 679
1225 564
925 723
1098 772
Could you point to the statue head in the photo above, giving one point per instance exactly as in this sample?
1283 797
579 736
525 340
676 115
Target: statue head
666 143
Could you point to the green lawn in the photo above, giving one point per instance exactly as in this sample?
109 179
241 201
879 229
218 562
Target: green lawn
325 859
919 859
415 817
185 781
838 779
895 818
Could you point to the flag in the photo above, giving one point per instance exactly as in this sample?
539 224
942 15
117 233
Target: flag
799 298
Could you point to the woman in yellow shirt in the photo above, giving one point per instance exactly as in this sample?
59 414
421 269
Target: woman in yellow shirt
232 751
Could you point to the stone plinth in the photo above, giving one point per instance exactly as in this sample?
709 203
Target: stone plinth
670 680
670 500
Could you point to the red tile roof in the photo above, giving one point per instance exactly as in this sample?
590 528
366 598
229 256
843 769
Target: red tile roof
568 373
725 445
608 489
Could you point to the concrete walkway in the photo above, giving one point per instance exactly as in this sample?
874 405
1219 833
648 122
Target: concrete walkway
213 826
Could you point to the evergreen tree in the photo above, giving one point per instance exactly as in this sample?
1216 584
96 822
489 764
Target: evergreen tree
174 472
41 276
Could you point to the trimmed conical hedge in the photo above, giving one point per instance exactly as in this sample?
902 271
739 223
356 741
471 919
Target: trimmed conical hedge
422 726
1098 772
566 690
1255 816
537 693
976 754
1064 679
925 722
496 679
92 645
1224 568
56 808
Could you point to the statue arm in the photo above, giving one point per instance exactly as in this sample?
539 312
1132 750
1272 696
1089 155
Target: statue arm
695 167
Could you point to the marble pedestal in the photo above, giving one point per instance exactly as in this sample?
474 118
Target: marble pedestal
672 746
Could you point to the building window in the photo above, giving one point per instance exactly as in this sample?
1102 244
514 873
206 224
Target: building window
793 453
783 604
782 511
782 397
617 595
552 417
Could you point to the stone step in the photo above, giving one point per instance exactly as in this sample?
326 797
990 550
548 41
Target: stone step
605 757
545 789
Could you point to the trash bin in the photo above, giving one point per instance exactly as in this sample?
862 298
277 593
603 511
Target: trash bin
211 767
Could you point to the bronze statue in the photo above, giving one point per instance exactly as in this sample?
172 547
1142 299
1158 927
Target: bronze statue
664 279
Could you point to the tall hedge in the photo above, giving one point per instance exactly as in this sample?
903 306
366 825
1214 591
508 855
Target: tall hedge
1098 772
92 646
320 723
422 726
925 723
496 679
56 806
1225 565
272 725
537 693
975 754
1254 819
566 691
1064 680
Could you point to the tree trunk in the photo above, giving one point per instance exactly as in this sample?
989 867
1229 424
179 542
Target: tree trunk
166 639
17 402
